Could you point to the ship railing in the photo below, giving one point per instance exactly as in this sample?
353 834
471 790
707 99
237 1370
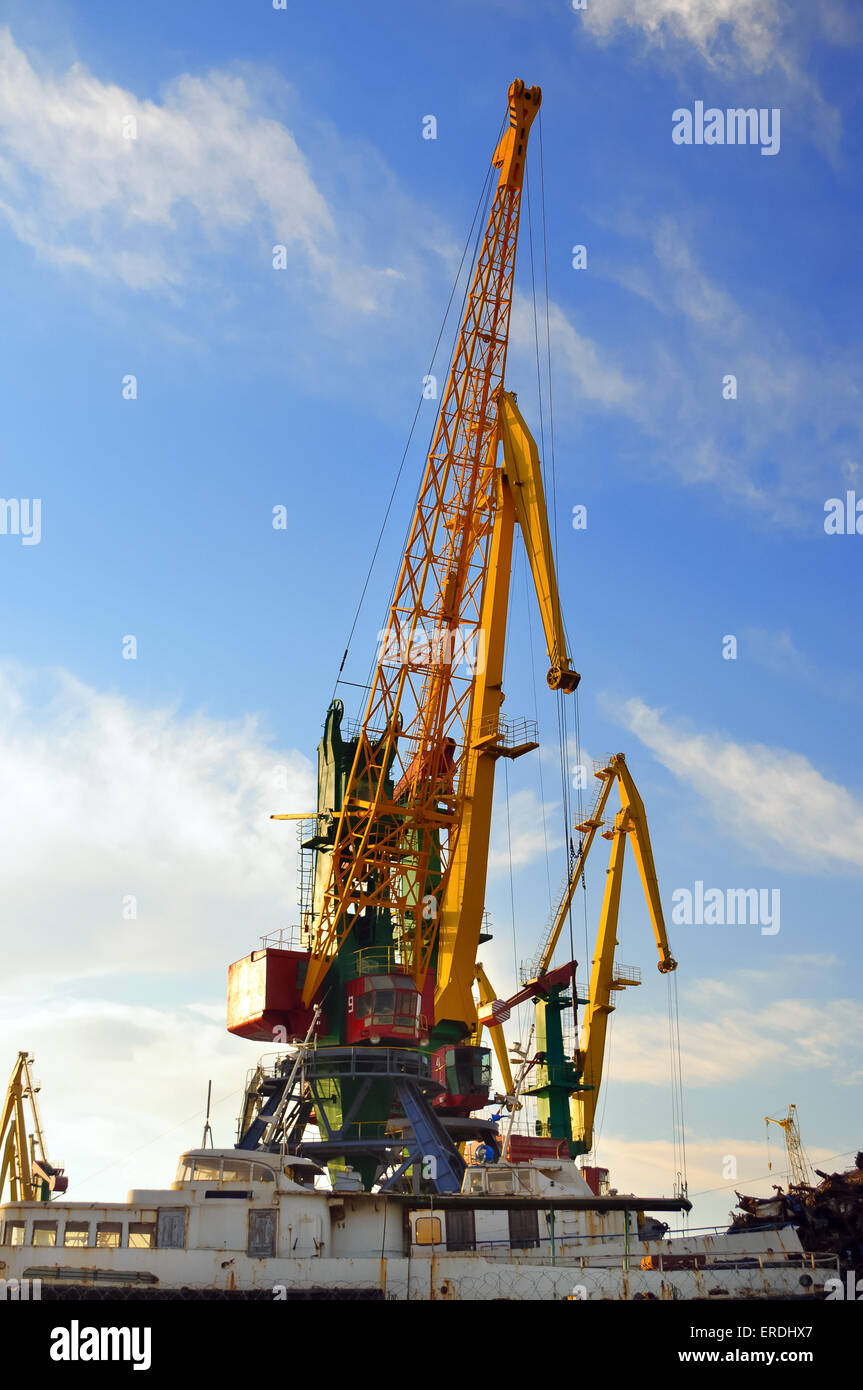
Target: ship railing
561 1249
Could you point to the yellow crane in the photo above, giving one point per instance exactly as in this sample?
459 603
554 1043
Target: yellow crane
801 1175
607 978
406 853
24 1163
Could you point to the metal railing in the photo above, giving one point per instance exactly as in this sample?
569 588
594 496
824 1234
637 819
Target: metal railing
379 960
286 939
509 733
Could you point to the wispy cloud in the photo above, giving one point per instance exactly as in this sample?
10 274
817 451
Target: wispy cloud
590 373
141 191
736 38
112 809
523 831
776 651
126 1128
783 443
756 792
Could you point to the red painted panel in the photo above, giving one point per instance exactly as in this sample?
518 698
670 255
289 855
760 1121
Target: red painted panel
265 993
596 1179
523 1147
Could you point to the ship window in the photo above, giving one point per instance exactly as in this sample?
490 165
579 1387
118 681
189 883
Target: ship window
207 1170
461 1230
236 1171
427 1230
523 1229
142 1235
108 1234
184 1172
500 1182
77 1233
44 1233
263 1174
13 1233
476 1182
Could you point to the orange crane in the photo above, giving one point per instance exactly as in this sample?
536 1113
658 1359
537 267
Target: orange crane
410 840
401 830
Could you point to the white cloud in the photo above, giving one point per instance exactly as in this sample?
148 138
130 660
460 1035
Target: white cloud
104 800
734 38
205 163
593 377
529 829
783 445
718 29
124 1086
738 1034
756 792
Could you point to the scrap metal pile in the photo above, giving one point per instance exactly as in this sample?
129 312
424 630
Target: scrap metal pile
828 1217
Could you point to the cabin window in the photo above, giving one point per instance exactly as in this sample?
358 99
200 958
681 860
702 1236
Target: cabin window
236 1171
461 1230
207 1170
427 1230
500 1182
523 1229
262 1234
171 1228
77 1234
44 1233
407 1001
108 1235
263 1174
13 1233
384 1004
476 1182
142 1235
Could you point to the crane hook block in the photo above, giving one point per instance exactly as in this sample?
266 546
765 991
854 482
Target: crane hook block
558 679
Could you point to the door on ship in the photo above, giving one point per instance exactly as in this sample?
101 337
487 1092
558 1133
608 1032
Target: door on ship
262 1234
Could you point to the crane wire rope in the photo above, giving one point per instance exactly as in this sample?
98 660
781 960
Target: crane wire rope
676 1065
562 718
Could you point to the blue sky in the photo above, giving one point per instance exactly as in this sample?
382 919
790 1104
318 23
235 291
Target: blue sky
256 387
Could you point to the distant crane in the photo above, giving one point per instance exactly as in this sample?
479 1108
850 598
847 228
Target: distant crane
23 1161
801 1174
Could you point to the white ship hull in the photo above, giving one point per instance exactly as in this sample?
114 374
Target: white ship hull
251 1230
